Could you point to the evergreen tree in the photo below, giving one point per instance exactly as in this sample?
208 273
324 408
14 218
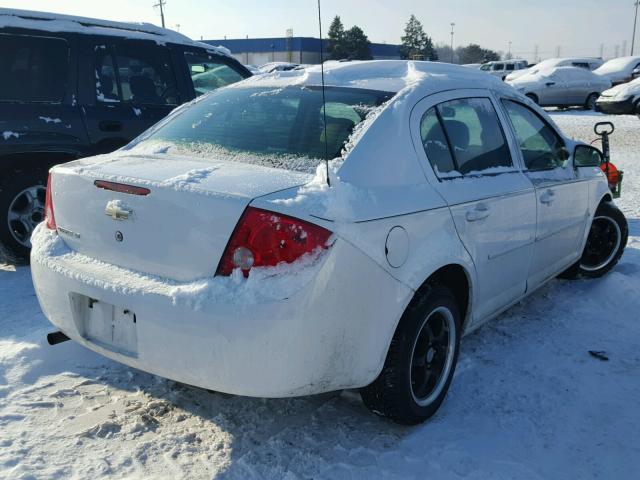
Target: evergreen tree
474 53
416 44
336 34
357 44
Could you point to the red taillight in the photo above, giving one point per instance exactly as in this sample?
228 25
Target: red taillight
49 217
122 188
263 238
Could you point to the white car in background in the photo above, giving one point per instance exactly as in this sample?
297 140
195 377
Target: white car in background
562 87
623 98
620 70
208 251
501 69
587 63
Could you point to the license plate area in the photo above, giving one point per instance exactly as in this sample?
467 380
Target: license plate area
109 326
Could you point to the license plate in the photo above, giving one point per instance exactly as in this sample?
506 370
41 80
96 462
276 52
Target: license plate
106 325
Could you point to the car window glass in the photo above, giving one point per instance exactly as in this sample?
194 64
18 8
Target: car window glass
33 69
209 72
145 75
510 66
106 84
498 66
472 133
435 143
542 148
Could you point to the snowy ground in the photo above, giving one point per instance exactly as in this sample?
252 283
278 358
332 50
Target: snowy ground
527 401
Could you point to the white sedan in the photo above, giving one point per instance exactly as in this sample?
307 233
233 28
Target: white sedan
209 252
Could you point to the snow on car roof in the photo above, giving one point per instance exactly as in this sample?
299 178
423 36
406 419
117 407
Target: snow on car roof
383 75
55 22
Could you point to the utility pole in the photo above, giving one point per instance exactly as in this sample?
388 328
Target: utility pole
509 53
535 54
635 22
452 25
161 3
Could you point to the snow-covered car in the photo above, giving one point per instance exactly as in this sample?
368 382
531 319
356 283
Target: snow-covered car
501 69
588 63
623 98
277 67
562 87
619 70
220 250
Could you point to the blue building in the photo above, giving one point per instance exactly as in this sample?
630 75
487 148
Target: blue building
257 51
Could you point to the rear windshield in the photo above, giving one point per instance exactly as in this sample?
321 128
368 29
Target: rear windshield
282 128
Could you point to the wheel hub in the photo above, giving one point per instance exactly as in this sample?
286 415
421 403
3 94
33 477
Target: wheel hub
26 211
432 356
602 244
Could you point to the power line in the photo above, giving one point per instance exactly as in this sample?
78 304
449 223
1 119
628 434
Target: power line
635 21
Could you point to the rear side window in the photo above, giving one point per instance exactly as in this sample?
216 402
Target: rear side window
473 138
136 74
542 148
33 69
209 72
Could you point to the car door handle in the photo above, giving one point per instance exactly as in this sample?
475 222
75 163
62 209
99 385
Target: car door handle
110 126
478 213
547 197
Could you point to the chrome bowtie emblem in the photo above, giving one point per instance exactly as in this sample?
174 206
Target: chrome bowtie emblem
117 211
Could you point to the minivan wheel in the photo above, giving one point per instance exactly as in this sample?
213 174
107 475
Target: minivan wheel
421 360
590 104
22 199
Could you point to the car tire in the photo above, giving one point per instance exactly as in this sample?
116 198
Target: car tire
605 245
420 362
637 108
590 104
533 98
22 199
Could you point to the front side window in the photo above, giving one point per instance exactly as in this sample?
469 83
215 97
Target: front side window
33 69
209 72
542 148
473 138
281 128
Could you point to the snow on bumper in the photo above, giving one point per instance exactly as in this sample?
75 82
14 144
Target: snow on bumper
332 332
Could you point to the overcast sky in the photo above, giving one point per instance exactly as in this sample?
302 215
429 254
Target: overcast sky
578 27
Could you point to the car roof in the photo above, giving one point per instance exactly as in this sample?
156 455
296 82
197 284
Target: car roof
55 22
383 75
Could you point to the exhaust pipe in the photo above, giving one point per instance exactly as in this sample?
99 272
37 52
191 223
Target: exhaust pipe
56 338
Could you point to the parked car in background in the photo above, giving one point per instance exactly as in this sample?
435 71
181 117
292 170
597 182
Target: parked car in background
277 67
623 98
562 87
620 70
72 87
232 264
587 63
501 69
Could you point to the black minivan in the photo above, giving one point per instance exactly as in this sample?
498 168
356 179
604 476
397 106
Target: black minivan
73 87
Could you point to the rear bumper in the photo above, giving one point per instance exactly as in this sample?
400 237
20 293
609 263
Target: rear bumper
615 107
332 332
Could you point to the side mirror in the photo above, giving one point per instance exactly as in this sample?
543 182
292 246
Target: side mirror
586 156
635 73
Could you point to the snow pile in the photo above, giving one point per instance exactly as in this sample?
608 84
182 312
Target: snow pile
184 181
9 134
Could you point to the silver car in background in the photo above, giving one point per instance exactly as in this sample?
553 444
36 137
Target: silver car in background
620 70
562 87
588 63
